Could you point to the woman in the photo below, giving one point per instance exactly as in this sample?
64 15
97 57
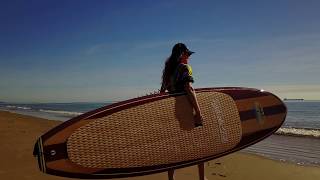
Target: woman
177 77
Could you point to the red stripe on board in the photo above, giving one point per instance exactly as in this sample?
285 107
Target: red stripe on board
268 111
237 93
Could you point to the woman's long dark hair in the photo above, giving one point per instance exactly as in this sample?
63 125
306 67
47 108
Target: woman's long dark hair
171 64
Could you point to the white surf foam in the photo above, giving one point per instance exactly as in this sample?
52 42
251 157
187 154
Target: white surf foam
299 132
24 108
67 113
10 106
18 107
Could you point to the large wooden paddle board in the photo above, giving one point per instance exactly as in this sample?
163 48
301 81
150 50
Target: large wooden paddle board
156 133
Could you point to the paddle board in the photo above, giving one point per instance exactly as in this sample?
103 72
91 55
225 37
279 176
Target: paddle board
156 133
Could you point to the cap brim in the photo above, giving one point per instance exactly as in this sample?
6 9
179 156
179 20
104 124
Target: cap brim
190 52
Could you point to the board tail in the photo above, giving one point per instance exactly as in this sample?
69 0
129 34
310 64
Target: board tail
38 153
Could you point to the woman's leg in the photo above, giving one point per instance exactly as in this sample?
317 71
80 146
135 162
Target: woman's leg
170 174
201 171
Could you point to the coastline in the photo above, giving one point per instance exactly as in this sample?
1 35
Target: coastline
18 134
301 150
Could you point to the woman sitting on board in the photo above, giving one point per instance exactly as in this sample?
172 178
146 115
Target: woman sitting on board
176 78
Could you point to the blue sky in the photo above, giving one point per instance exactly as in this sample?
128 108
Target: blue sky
71 51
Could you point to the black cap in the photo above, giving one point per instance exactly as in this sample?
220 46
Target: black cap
179 48
189 52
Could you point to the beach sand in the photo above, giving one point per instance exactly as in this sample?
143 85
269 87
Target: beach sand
18 134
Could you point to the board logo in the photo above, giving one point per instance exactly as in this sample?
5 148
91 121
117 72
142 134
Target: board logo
260 116
221 124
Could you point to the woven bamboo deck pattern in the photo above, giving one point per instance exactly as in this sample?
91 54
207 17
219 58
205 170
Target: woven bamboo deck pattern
157 133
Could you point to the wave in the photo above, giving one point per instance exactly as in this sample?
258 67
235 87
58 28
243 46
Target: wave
24 108
10 106
301 132
66 113
18 107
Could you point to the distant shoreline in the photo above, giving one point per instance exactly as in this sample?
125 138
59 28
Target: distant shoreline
289 99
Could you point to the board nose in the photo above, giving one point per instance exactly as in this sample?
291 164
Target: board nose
281 108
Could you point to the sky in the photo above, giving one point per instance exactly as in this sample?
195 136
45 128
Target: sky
111 50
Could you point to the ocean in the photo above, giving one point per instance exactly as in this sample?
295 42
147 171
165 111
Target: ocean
52 111
297 141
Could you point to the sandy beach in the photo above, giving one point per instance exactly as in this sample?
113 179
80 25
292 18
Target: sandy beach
18 134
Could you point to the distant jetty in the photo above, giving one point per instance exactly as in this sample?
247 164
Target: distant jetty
289 99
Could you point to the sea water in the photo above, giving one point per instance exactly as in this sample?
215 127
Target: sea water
298 140
52 111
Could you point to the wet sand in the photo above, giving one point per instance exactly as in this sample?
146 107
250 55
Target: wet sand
18 134
299 150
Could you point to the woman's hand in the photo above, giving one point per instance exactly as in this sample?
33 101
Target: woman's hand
193 99
198 120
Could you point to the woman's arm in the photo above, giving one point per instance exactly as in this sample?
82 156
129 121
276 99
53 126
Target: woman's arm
192 97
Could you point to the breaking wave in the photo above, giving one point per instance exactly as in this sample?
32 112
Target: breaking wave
301 132
66 113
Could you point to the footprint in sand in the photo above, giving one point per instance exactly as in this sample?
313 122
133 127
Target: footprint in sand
221 175
219 169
